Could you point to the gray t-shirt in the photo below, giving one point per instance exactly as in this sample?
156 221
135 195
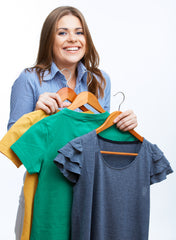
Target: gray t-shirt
111 194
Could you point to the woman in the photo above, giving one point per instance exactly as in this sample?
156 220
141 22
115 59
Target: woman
66 50
65 43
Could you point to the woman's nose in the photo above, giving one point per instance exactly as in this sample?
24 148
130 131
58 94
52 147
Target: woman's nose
72 37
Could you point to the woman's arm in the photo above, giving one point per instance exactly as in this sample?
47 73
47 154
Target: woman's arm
25 97
22 98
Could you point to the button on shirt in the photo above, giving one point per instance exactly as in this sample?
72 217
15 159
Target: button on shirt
27 89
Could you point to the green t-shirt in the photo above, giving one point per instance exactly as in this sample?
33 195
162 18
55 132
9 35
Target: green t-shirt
37 149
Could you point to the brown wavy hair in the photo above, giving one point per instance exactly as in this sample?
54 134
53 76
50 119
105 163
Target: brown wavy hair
45 52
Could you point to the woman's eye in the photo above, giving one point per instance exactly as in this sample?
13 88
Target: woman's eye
61 33
80 33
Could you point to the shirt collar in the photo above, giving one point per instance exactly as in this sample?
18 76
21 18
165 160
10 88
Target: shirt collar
54 70
81 69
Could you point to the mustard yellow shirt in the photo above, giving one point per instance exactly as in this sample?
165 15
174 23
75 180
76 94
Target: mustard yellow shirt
30 184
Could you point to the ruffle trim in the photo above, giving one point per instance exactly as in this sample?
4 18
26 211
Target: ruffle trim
160 166
69 160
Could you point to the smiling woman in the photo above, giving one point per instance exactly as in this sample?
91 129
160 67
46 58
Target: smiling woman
65 43
66 27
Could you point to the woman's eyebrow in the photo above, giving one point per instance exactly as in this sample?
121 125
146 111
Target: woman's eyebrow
66 29
62 28
79 28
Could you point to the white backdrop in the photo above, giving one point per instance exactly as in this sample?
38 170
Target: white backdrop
136 42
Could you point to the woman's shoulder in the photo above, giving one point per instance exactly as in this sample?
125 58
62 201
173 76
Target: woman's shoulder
105 75
28 72
107 78
28 75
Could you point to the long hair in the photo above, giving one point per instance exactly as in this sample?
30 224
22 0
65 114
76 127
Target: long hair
45 52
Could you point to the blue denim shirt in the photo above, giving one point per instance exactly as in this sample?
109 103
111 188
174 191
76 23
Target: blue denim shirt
27 89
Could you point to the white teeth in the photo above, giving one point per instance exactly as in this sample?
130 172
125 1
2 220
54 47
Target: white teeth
72 49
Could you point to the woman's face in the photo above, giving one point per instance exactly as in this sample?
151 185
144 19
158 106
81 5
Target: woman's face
69 44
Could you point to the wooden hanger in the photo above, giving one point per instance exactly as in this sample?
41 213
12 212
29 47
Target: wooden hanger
108 123
86 97
69 94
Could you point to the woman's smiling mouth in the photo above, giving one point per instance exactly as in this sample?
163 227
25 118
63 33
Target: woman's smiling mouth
72 48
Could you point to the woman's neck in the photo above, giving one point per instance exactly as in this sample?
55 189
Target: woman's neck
70 73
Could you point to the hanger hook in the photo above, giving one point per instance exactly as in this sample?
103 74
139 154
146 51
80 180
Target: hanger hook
91 77
63 69
122 99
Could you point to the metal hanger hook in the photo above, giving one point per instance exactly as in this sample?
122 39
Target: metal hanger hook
63 69
91 77
122 99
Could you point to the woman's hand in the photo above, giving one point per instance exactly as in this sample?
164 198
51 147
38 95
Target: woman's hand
49 102
126 121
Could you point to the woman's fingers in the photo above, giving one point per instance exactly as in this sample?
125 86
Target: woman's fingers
49 102
126 121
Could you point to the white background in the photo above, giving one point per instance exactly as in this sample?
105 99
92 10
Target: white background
136 41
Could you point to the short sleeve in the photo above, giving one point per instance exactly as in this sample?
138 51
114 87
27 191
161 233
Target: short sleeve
16 131
160 166
69 160
31 147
